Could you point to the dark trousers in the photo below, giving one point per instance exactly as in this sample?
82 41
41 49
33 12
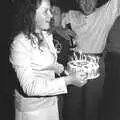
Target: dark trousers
111 92
84 103
93 99
72 104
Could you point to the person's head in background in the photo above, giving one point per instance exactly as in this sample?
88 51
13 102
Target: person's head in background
56 16
87 6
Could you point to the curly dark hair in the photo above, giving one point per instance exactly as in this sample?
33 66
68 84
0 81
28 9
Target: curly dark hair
24 19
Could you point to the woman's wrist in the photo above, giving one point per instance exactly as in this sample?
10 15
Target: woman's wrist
68 80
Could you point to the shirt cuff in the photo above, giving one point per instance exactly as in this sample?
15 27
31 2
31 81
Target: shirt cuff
60 86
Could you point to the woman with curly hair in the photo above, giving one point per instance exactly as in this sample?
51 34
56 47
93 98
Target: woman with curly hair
34 59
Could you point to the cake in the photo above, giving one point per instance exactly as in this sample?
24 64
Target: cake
85 65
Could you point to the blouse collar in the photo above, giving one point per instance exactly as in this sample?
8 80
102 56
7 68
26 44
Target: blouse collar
48 38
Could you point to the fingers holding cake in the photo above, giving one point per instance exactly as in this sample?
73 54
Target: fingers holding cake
78 79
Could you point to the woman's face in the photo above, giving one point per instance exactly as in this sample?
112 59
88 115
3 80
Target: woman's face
43 15
87 6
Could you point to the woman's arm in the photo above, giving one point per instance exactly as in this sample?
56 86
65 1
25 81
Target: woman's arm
56 67
32 83
38 83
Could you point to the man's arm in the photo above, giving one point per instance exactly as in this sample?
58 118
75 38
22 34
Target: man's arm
112 10
118 7
114 37
63 32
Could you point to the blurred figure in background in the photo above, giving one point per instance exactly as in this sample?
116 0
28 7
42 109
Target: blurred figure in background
91 25
61 39
62 36
111 91
33 57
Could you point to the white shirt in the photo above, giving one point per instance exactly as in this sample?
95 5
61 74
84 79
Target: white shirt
28 63
92 30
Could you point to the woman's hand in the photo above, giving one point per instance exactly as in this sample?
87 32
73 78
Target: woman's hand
77 79
58 68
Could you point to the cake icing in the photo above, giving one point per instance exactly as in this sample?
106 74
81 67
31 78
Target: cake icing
85 64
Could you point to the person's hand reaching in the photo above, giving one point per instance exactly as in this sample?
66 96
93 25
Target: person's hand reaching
64 32
67 33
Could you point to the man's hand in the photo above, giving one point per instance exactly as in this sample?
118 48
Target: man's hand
65 33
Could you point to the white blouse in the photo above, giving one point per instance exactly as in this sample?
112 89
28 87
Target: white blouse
92 30
30 65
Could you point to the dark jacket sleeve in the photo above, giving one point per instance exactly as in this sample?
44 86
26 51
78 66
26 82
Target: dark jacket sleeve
113 43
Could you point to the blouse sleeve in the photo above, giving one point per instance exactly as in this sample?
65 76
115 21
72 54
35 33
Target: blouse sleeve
33 84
